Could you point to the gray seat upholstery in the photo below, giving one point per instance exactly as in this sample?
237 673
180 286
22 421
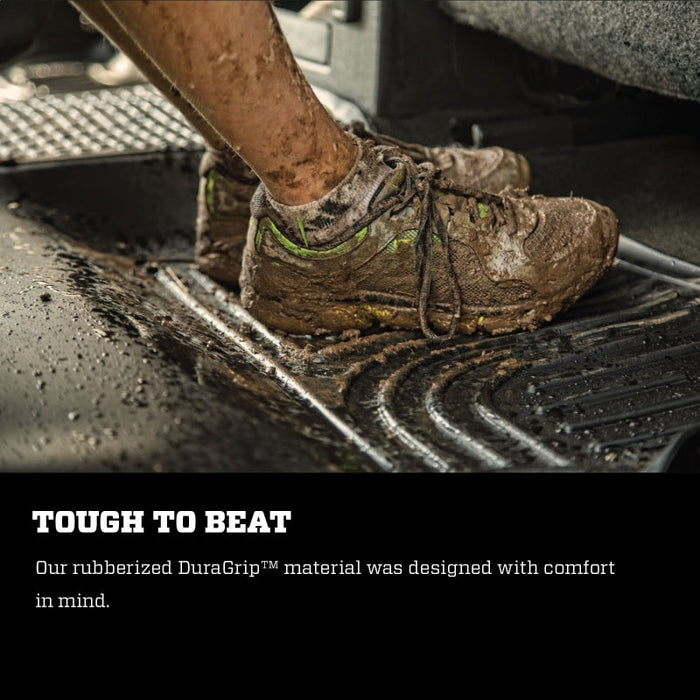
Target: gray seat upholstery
647 44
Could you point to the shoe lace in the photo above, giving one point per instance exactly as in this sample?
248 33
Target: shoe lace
422 180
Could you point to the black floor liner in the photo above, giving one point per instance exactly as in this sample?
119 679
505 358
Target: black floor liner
611 387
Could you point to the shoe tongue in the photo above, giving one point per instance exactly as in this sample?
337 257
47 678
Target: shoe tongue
331 219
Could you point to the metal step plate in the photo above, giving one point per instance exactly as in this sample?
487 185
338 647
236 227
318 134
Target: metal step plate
92 123
128 120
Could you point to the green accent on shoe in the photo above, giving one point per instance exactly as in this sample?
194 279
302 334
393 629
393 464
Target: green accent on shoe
308 253
302 231
483 210
407 237
209 192
213 177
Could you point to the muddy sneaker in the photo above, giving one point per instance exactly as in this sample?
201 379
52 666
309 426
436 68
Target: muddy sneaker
226 186
419 251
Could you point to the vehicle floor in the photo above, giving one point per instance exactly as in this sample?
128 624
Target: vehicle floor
119 355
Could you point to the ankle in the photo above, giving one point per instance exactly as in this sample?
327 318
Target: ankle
316 175
326 219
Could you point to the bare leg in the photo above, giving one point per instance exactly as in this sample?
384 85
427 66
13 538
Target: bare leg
100 16
230 61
